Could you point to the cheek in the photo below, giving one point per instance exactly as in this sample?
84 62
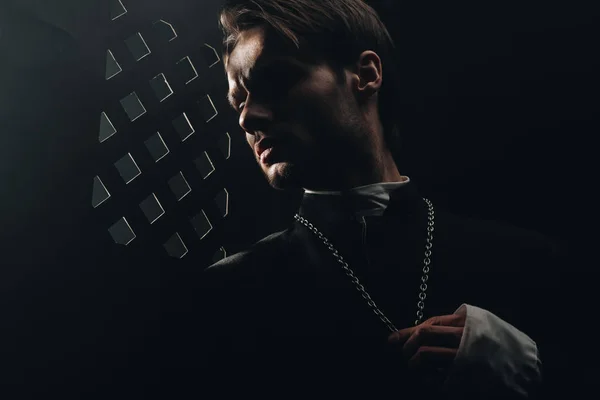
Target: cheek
316 95
314 109
251 141
316 106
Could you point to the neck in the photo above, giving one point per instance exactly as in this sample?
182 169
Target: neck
383 171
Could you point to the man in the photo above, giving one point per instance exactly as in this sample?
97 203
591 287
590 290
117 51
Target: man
372 290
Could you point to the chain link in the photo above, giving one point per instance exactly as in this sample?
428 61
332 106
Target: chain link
360 287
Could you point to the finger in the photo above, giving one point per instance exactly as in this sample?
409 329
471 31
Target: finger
431 358
401 336
447 320
432 335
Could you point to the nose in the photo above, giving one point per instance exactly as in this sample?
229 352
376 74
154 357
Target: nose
255 116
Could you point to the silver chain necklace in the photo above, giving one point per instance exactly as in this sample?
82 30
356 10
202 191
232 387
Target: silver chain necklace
360 287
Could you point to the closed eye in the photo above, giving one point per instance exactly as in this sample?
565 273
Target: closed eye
269 81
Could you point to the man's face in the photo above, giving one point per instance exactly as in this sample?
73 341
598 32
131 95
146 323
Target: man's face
301 110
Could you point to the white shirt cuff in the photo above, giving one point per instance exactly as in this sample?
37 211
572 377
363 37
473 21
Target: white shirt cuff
493 355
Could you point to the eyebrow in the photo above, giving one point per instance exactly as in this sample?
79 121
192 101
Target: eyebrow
231 98
261 67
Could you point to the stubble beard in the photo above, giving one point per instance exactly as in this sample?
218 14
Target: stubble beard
282 176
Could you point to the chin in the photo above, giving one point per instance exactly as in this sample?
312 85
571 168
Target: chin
282 176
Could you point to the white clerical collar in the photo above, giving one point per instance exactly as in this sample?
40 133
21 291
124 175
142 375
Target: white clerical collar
374 198
366 189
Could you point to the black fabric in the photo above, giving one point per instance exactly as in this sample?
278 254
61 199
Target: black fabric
283 318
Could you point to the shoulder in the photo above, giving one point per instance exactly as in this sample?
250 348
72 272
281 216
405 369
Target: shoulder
499 236
497 252
234 285
258 256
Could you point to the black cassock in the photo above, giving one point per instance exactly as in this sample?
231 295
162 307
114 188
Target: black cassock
282 319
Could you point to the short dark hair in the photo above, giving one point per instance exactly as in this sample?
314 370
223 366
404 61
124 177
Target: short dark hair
333 31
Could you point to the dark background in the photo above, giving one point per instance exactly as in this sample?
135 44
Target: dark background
498 107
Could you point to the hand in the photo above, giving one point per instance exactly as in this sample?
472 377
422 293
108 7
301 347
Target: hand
431 345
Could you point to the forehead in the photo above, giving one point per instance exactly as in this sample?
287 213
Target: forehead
249 48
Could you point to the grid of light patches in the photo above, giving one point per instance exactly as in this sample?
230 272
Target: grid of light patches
121 230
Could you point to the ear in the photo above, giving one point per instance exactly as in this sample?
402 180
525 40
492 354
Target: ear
369 76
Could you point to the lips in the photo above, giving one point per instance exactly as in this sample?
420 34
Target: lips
267 156
263 145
